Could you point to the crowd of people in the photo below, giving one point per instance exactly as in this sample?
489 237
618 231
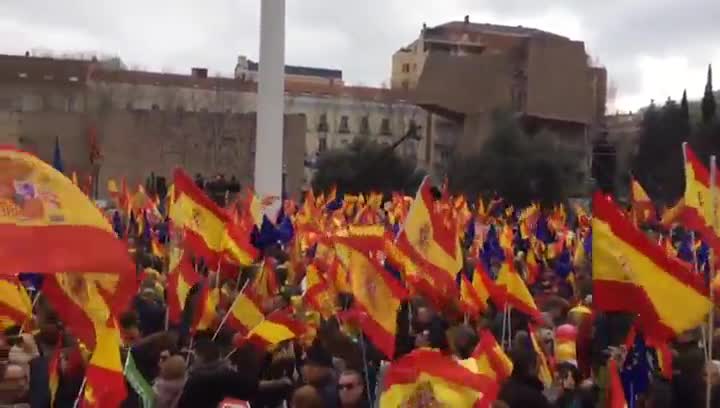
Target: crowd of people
557 352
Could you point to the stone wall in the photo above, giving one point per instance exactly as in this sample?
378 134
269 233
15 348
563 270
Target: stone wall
136 143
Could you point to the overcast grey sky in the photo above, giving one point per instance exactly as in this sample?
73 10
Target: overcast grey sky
651 48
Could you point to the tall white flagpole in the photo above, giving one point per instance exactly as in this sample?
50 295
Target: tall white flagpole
270 104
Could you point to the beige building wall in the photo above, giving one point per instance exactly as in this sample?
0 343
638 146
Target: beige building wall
135 144
407 65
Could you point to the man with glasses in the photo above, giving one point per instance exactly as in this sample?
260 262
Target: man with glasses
351 389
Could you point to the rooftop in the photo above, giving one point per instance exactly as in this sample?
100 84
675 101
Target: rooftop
470 27
303 71
16 68
39 69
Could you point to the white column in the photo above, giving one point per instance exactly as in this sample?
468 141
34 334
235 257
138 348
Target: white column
270 103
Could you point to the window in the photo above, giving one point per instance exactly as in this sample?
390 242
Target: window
385 127
155 106
322 123
322 144
406 68
365 125
344 127
406 84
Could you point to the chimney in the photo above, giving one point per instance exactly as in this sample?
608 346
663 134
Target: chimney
424 26
467 19
199 72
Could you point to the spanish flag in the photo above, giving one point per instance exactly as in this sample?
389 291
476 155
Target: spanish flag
486 288
266 283
426 377
376 293
245 312
206 308
633 274
81 299
642 206
697 213
490 359
47 224
105 382
279 326
208 227
181 279
429 237
615 392
545 371
319 293
516 292
469 299
15 304
54 373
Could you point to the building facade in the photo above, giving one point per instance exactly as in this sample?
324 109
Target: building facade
461 72
333 114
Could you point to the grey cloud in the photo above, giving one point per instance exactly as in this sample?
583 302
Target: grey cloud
357 36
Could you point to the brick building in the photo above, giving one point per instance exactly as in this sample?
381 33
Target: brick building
463 71
149 121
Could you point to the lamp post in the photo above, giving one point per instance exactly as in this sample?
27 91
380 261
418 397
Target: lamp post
270 103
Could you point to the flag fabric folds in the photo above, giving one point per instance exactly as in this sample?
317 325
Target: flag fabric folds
277 327
697 213
208 228
47 224
490 359
426 377
377 294
245 313
105 383
633 274
15 303
430 239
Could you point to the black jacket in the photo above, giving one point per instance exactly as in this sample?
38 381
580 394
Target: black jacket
207 386
523 392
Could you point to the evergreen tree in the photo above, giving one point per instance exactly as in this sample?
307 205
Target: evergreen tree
708 102
366 166
685 114
518 168
659 159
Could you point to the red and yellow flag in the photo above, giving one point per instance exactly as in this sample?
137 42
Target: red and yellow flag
377 294
429 238
279 326
698 213
245 312
206 308
15 304
545 371
426 377
181 279
319 294
643 208
47 224
54 373
633 274
83 300
515 290
208 227
105 382
489 358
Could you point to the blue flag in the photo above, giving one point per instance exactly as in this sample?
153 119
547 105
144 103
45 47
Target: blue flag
57 157
635 374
